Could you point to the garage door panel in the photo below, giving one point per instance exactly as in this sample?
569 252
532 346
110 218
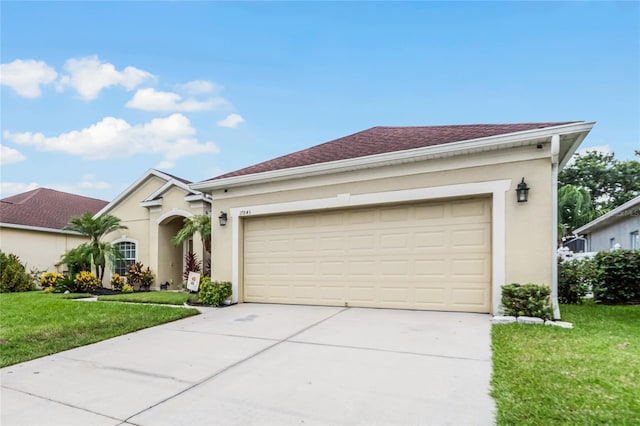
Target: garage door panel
429 212
331 243
362 243
412 256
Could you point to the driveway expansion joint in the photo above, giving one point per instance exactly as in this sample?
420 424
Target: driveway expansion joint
62 403
235 364
365 348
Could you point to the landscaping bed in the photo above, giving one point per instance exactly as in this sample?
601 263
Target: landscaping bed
586 375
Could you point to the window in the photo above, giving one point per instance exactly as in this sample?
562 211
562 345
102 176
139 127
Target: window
612 243
128 251
635 240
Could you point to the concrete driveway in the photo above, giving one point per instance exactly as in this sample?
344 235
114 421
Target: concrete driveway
267 364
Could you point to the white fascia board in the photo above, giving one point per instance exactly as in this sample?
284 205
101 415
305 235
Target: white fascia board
39 229
424 153
151 203
198 197
130 189
605 217
572 149
164 188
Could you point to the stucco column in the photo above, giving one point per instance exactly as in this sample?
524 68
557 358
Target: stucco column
153 248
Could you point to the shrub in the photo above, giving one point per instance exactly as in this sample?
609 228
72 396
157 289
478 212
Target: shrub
126 288
67 283
213 293
532 300
143 278
618 278
117 282
575 279
13 276
86 281
49 289
50 279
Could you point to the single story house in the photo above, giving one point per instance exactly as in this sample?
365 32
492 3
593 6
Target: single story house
153 208
396 217
31 225
619 228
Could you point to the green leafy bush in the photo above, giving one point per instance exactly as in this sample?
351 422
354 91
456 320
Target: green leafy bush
531 300
67 283
575 279
126 288
618 278
13 276
213 293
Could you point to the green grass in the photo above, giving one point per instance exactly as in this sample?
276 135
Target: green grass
588 375
162 297
35 324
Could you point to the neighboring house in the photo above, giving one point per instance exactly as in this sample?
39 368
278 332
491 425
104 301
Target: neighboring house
31 225
620 228
395 217
153 208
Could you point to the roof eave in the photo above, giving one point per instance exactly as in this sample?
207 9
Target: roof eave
39 229
450 149
605 217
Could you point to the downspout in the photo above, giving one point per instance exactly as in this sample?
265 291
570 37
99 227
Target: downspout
555 151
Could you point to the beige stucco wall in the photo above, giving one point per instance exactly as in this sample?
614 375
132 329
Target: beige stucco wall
153 227
38 249
528 226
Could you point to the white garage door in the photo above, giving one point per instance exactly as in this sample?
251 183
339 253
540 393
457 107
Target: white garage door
434 256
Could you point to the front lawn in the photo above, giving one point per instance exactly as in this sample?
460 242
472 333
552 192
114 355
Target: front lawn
161 297
35 324
588 375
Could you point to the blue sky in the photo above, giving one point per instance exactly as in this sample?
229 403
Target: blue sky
94 94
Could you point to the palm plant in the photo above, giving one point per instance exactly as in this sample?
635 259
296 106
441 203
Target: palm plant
95 229
200 224
574 208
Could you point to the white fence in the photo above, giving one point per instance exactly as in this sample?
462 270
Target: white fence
566 255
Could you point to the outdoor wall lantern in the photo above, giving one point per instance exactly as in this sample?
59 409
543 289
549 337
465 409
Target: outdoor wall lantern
522 192
222 218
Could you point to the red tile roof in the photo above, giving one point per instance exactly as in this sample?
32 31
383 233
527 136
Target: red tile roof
379 140
46 208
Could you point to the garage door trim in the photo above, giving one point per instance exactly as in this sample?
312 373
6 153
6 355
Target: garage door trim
497 189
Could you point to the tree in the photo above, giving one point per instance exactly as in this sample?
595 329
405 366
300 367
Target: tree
609 182
95 229
574 209
200 224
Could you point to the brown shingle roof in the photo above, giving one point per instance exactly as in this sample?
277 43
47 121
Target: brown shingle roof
185 181
46 208
379 140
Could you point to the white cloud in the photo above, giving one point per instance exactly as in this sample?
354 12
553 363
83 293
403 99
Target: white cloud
10 188
26 77
165 165
10 155
172 137
232 121
199 86
603 149
152 100
88 76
